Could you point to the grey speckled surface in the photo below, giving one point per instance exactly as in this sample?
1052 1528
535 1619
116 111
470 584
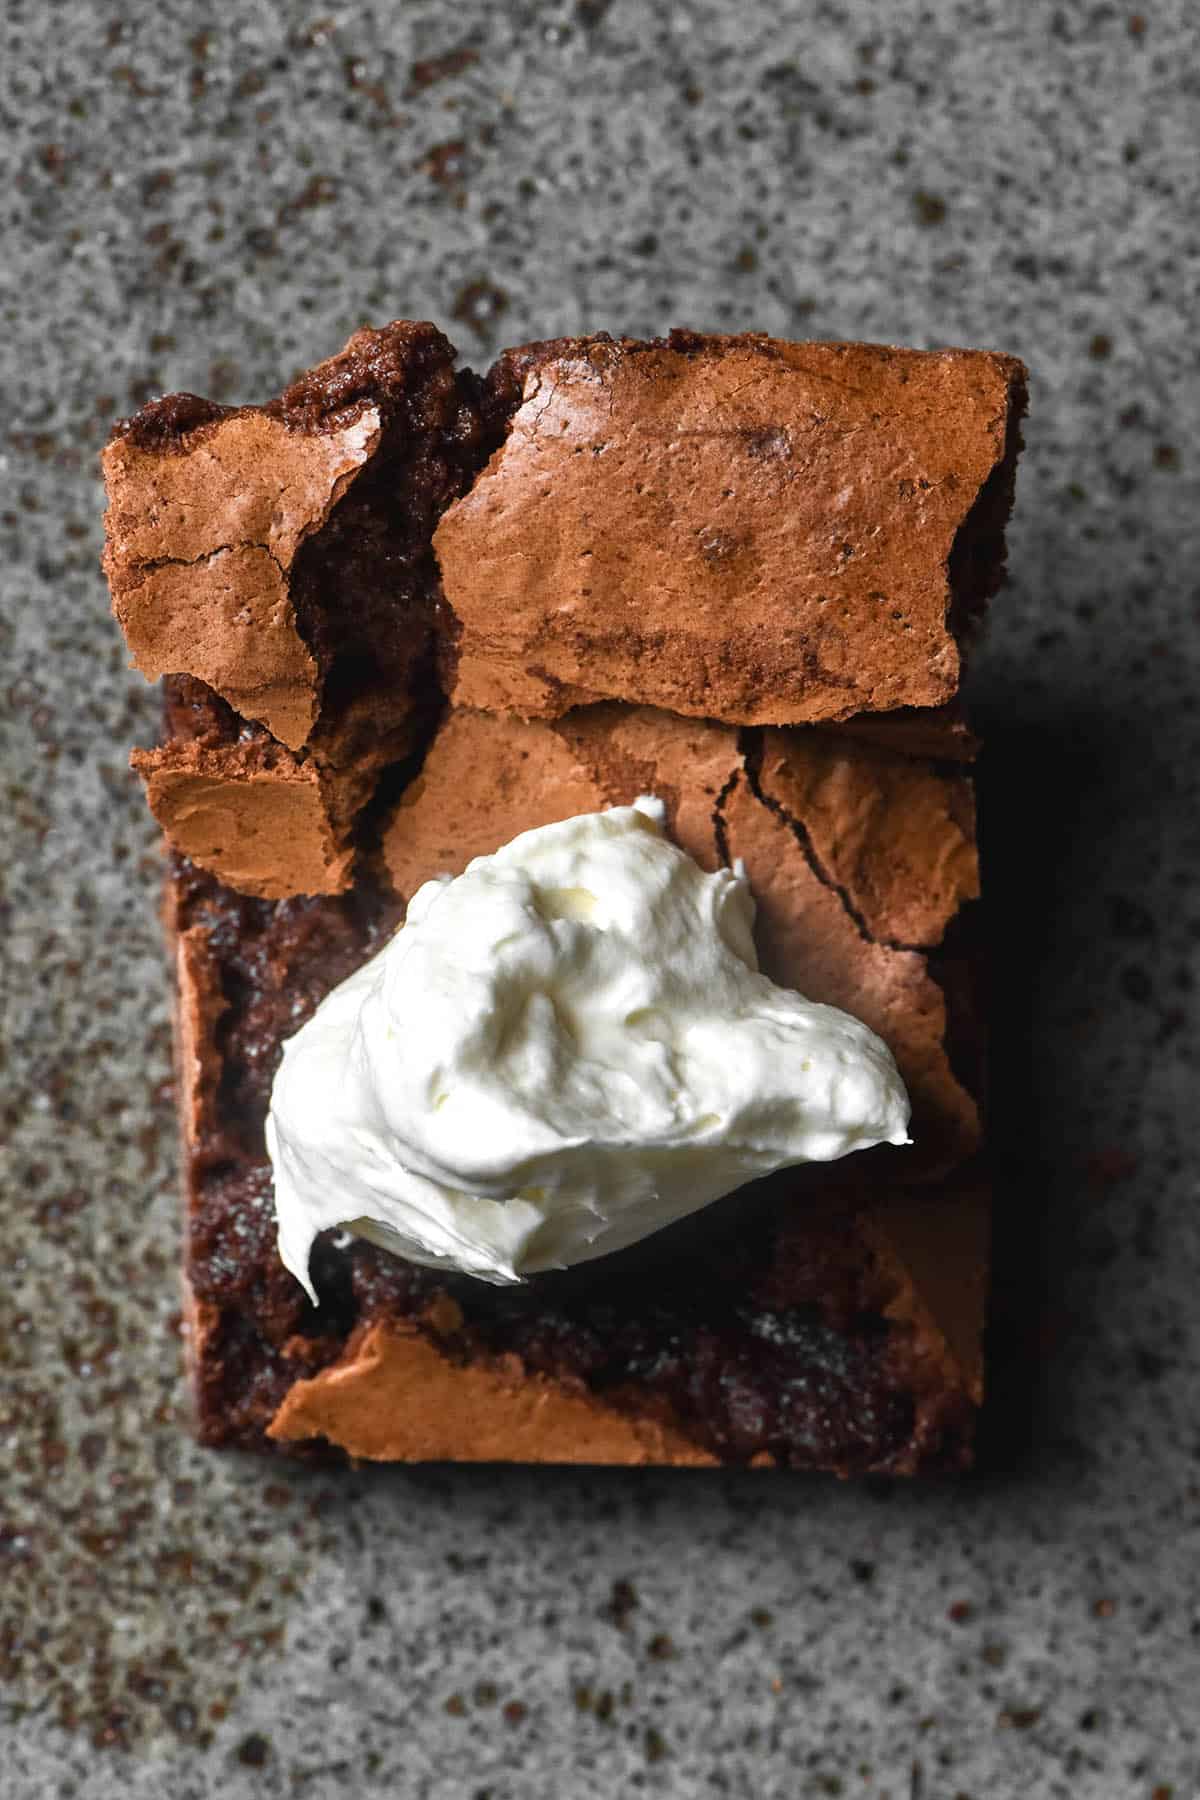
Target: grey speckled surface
190 202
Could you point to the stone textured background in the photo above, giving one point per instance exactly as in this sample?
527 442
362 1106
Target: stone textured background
196 200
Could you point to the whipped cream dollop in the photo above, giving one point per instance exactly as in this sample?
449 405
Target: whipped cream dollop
563 1049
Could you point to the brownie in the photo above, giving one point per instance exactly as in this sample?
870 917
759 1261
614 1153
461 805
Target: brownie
405 613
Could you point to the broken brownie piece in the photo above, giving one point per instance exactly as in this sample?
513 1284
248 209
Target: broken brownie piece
731 527
279 559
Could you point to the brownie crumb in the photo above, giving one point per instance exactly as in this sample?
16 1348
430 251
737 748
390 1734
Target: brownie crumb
1019 1718
254 1752
432 69
930 208
621 1603
478 305
654 1744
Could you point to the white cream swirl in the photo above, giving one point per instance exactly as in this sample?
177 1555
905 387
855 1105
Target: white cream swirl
562 1050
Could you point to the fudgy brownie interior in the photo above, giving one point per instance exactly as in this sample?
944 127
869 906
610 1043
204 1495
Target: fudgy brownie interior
366 584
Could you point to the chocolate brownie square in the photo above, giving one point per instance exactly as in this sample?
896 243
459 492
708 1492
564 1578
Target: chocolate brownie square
405 613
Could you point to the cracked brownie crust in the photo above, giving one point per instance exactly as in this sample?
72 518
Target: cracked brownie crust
728 527
647 499
859 859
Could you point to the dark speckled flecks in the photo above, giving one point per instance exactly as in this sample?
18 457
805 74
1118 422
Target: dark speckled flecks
212 198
